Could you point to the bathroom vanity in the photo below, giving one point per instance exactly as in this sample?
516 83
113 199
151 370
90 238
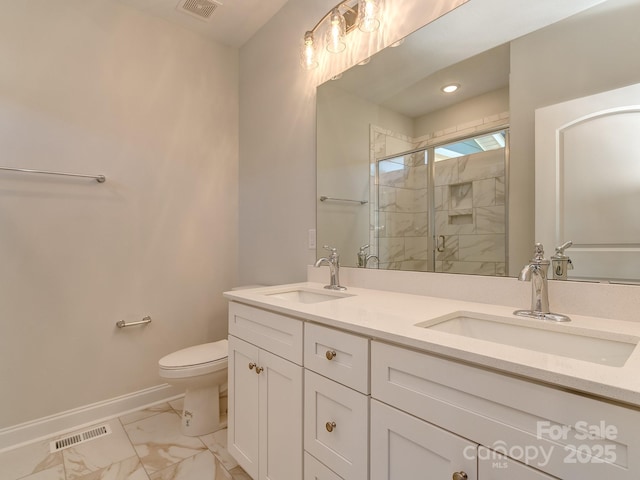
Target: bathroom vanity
369 384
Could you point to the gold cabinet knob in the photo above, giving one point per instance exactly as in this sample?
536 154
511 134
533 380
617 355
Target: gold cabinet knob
330 426
330 354
459 476
258 369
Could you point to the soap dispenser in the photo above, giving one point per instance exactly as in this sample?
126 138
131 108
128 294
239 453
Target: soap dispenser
561 263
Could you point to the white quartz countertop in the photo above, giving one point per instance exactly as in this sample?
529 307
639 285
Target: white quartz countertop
392 317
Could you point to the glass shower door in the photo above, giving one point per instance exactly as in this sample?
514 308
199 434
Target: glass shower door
470 217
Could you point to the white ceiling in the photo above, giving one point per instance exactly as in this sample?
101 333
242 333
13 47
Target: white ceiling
232 23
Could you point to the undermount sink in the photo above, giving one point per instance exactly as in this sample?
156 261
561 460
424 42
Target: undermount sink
306 296
590 346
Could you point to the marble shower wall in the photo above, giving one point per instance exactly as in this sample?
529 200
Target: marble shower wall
390 250
470 214
403 213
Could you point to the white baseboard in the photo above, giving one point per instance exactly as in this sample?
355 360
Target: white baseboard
69 420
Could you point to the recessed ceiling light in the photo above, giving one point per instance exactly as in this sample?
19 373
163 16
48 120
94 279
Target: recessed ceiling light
450 88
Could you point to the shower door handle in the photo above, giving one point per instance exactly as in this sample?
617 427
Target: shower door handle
440 245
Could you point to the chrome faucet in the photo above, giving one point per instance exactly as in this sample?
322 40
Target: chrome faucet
536 272
363 258
333 261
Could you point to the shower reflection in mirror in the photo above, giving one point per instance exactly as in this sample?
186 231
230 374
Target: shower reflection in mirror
447 214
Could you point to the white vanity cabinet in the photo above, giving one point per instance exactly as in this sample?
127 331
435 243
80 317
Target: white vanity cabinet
336 406
265 393
558 433
348 407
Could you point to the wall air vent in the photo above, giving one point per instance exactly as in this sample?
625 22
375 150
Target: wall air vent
77 438
201 9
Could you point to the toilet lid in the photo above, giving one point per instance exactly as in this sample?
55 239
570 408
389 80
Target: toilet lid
196 355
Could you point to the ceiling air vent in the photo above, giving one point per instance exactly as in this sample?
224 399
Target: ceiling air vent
78 438
201 9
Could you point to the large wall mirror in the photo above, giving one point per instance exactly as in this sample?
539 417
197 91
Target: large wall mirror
412 178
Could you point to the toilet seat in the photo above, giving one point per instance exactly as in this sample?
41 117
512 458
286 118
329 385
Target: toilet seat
197 360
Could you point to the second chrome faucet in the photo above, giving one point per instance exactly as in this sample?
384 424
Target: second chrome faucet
333 261
536 272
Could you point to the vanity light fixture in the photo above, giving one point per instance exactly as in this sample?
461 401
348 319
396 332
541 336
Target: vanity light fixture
340 20
369 13
452 87
308 53
334 36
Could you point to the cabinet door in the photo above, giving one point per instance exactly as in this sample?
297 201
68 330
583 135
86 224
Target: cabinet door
404 447
243 405
494 466
280 418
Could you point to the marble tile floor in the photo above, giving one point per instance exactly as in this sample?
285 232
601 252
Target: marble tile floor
144 445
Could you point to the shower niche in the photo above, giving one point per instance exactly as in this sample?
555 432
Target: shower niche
461 204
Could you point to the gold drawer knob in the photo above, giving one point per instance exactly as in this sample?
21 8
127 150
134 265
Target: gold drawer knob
259 370
330 354
252 366
460 476
330 426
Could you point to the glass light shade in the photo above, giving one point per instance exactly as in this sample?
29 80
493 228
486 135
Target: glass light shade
369 13
336 32
308 53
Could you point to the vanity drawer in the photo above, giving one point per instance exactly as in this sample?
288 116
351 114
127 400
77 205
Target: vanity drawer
504 412
341 356
336 426
314 470
278 334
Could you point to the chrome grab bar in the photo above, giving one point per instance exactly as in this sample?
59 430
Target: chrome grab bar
144 321
98 178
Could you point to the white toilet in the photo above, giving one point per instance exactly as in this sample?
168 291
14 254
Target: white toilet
202 371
